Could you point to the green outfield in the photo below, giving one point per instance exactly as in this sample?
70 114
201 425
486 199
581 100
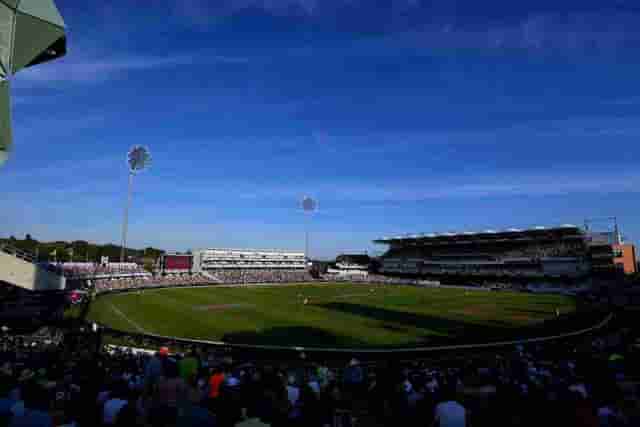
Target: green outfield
338 315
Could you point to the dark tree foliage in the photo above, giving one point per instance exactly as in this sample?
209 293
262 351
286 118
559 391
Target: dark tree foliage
81 250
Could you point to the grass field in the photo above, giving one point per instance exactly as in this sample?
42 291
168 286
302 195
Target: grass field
338 315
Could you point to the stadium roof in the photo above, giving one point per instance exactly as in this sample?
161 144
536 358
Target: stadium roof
31 32
510 232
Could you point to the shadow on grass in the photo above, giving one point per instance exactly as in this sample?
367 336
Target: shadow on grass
534 313
293 336
439 325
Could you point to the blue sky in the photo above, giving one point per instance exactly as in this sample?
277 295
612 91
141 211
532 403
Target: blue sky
407 116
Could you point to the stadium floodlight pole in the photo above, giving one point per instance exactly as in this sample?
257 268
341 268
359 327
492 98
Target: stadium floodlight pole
125 222
309 206
306 239
138 159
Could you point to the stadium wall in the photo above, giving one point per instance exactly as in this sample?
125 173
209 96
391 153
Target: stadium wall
27 275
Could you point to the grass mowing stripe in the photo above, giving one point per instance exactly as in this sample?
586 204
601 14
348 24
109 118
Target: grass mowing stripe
337 315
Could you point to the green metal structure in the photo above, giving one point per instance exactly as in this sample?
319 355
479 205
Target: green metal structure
31 32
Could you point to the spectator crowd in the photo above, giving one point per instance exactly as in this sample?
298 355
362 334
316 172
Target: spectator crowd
89 270
194 279
261 276
589 382
114 284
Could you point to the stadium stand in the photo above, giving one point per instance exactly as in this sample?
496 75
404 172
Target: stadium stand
90 270
221 277
213 260
542 252
73 380
17 268
206 267
211 266
147 281
349 266
262 276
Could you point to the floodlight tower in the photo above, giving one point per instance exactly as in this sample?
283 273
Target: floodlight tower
31 32
309 206
138 159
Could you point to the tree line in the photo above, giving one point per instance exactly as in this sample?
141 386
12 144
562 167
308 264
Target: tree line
80 251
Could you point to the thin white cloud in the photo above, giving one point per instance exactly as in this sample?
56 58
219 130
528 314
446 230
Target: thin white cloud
89 69
55 125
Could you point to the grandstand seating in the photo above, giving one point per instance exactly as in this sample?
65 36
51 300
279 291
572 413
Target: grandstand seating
217 259
219 277
261 276
509 254
147 281
89 270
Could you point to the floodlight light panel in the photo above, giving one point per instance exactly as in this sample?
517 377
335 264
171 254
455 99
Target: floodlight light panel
11 3
32 37
308 204
44 10
138 159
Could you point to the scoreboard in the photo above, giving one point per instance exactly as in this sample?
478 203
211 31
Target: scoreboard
177 263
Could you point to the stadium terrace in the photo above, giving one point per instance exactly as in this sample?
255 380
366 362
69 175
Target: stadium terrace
215 259
559 252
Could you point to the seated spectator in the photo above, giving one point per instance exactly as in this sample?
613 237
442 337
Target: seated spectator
127 416
188 366
154 369
293 392
354 377
34 413
170 388
310 409
215 383
117 400
449 412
